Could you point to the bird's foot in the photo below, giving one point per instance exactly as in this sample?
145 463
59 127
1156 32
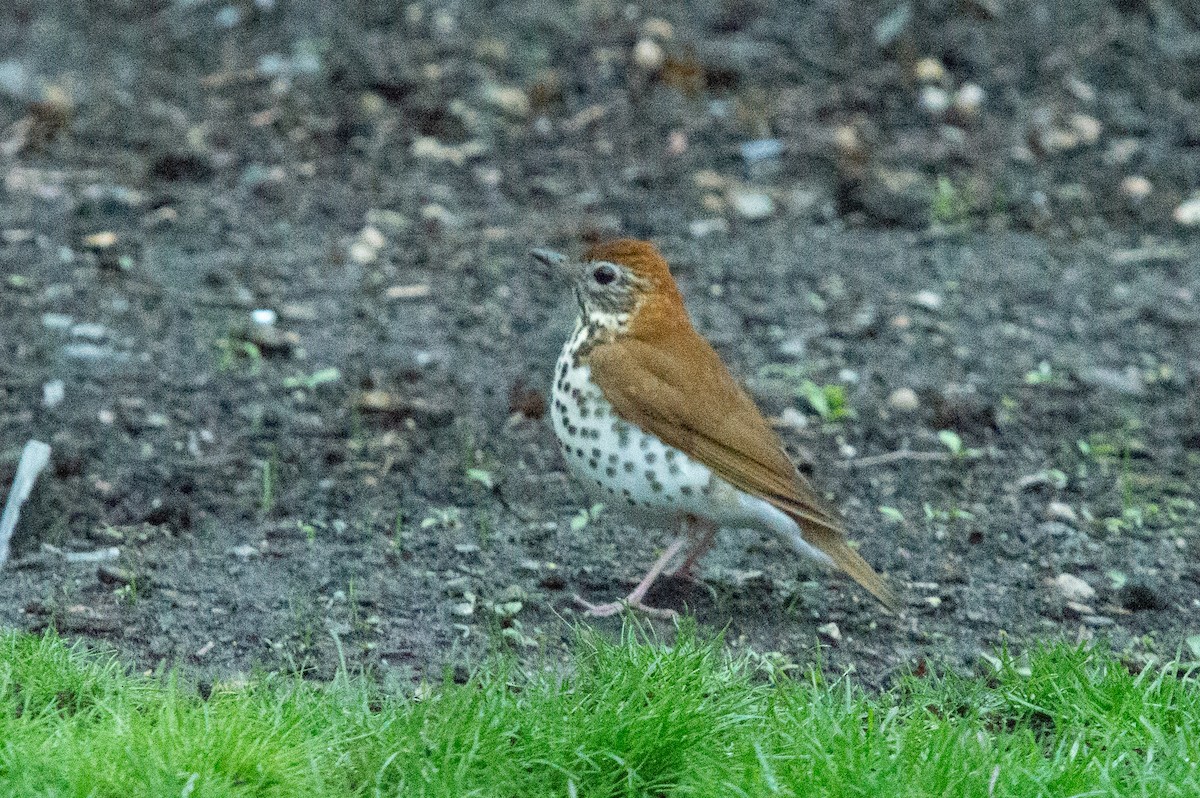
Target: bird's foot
630 602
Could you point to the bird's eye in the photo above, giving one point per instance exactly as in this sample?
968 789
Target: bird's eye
604 274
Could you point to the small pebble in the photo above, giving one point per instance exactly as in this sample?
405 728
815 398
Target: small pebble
1061 511
648 55
53 393
761 150
1136 187
929 300
101 240
1086 127
89 331
930 70
244 552
264 317
969 99
1079 609
933 100
752 205
904 400
57 321
414 291
830 631
1188 213
793 419
439 214
511 100
1074 589
658 28
1082 91
372 237
702 228
362 253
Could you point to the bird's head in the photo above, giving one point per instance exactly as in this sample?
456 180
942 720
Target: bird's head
617 280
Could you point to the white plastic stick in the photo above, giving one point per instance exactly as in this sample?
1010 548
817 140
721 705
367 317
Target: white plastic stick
33 459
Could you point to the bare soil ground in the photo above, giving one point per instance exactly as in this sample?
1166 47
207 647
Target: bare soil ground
998 229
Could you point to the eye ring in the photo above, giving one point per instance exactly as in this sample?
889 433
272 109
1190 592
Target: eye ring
604 274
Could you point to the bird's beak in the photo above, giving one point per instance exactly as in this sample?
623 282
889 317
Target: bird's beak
552 260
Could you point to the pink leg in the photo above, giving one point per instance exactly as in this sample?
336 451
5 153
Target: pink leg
634 599
701 536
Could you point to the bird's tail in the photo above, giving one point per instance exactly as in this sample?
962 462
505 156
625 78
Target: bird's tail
831 543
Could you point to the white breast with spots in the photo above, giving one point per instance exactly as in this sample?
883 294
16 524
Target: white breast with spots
621 465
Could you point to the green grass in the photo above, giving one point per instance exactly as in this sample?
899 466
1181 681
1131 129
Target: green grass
627 718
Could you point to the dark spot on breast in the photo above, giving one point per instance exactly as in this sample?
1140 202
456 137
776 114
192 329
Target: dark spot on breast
610 471
673 469
651 457
686 490
612 458
629 466
595 452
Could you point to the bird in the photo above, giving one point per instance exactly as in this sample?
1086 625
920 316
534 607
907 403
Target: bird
651 421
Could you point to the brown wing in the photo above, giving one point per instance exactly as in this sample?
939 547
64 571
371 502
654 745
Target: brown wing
680 390
689 399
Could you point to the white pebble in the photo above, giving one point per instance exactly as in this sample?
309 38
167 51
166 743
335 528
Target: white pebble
649 55
753 206
89 331
361 253
929 300
933 100
53 393
1136 187
1188 212
969 98
1074 589
904 400
830 630
372 237
263 317
1061 511
702 228
1087 127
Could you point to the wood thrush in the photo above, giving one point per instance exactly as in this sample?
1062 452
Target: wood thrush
652 422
